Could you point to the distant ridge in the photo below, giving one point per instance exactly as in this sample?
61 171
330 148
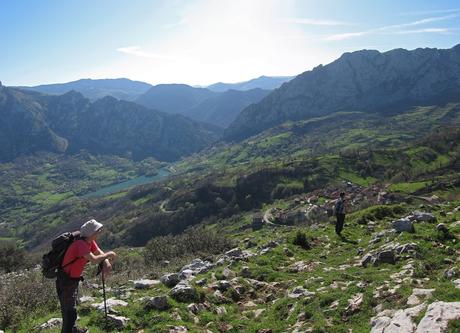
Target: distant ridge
33 122
366 81
262 82
94 89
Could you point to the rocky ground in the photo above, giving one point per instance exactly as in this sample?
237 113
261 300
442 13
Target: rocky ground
396 270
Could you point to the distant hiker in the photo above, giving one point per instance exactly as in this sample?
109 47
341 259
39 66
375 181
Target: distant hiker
81 251
340 213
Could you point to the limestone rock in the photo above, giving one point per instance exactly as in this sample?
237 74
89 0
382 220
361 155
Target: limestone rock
178 329
118 321
52 323
158 303
145 283
457 283
424 217
400 322
111 302
437 317
403 224
300 292
170 280
417 293
87 299
197 266
228 273
183 292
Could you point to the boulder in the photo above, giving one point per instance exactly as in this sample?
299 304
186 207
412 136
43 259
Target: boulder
441 227
403 224
418 293
300 292
228 273
245 272
457 283
197 266
367 259
437 317
236 252
170 280
424 217
118 321
50 324
223 285
87 299
177 329
145 283
111 302
158 303
385 256
183 292
406 248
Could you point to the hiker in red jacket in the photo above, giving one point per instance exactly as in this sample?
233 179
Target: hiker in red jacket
79 253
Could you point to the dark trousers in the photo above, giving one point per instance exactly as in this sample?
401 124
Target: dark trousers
67 290
339 224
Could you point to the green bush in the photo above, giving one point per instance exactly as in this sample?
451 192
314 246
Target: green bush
23 295
12 256
193 242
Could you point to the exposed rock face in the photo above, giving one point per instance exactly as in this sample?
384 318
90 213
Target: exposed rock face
364 80
400 321
437 317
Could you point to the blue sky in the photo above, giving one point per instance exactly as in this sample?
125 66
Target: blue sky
204 41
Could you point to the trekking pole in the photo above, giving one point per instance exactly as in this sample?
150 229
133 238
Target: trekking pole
101 271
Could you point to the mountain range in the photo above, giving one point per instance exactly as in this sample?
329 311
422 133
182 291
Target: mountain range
365 81
217 104
67 123
94 89
218 108
262 82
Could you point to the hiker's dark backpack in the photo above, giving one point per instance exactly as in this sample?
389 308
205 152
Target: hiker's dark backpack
52 261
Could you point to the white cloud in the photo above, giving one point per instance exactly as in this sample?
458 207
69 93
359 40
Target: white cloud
431 12
139 52
427 30
396 28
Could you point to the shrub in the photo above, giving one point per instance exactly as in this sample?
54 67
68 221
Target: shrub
300 239
24 294
193 242
12 256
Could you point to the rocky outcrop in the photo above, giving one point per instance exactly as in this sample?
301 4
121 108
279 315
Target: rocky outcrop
365 80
